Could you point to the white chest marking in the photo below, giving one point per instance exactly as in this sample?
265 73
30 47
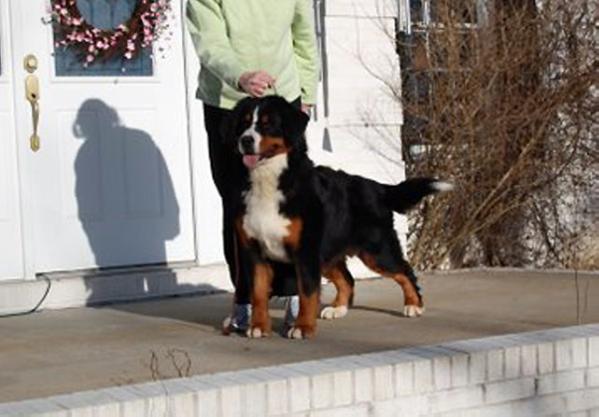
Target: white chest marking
263 220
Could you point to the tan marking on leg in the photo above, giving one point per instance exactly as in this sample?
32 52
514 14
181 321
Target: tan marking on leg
411 298
340 305
305 324
410 294
261 324
371 263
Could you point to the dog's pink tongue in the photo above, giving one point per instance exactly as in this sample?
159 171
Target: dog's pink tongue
250 161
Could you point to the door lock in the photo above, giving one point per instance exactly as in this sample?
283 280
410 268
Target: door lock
30 63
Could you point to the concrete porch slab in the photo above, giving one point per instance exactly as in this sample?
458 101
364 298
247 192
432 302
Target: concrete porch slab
64 351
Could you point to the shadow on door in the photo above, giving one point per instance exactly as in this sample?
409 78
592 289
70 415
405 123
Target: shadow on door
126 204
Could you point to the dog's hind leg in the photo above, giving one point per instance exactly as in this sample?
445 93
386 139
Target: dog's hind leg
343 281
413 304
349 278
389 262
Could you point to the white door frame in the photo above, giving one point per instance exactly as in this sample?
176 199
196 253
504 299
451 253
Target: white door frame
7 83
27 229
207 202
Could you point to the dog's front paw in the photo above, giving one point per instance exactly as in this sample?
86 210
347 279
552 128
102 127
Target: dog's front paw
413 311
331 312
256 332
301 332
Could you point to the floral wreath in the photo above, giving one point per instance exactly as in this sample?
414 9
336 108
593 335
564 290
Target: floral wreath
145 25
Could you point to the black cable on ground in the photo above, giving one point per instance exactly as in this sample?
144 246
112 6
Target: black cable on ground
37 306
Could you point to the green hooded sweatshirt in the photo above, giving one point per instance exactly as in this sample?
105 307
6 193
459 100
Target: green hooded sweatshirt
235 36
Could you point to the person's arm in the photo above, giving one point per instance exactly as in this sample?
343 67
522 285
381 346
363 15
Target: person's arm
306 51
208 31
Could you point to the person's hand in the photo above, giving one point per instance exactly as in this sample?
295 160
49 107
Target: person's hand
307 108
255 83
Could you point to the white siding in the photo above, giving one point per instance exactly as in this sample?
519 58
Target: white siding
364 120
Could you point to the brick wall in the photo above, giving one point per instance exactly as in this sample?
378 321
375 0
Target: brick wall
546 373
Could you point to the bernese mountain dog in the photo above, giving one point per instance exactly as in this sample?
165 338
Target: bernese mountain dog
313 217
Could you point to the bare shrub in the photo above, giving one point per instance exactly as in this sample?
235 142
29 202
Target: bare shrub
504 103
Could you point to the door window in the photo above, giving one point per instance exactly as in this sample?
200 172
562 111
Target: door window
104 14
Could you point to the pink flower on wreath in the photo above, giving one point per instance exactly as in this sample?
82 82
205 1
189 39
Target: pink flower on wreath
95 42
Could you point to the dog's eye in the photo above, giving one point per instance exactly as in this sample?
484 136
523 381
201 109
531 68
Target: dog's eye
245 125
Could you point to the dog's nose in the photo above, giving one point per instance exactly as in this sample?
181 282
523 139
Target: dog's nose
247 143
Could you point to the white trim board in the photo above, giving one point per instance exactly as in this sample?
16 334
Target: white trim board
81 288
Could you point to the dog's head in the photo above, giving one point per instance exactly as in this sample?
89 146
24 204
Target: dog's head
261 128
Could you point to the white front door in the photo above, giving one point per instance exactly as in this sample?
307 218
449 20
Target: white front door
11 243
110 184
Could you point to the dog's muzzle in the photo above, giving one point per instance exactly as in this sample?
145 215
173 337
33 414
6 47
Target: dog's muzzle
246 145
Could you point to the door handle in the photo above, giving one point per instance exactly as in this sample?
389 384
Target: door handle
32 95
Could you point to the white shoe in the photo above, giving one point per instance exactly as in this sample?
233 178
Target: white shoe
291 311
239 320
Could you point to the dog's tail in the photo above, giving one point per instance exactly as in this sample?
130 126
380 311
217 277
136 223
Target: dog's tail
407 194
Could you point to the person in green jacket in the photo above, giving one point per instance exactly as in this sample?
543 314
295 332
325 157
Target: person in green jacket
250 48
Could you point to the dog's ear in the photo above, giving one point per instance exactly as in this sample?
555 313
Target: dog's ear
295 122
229 126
